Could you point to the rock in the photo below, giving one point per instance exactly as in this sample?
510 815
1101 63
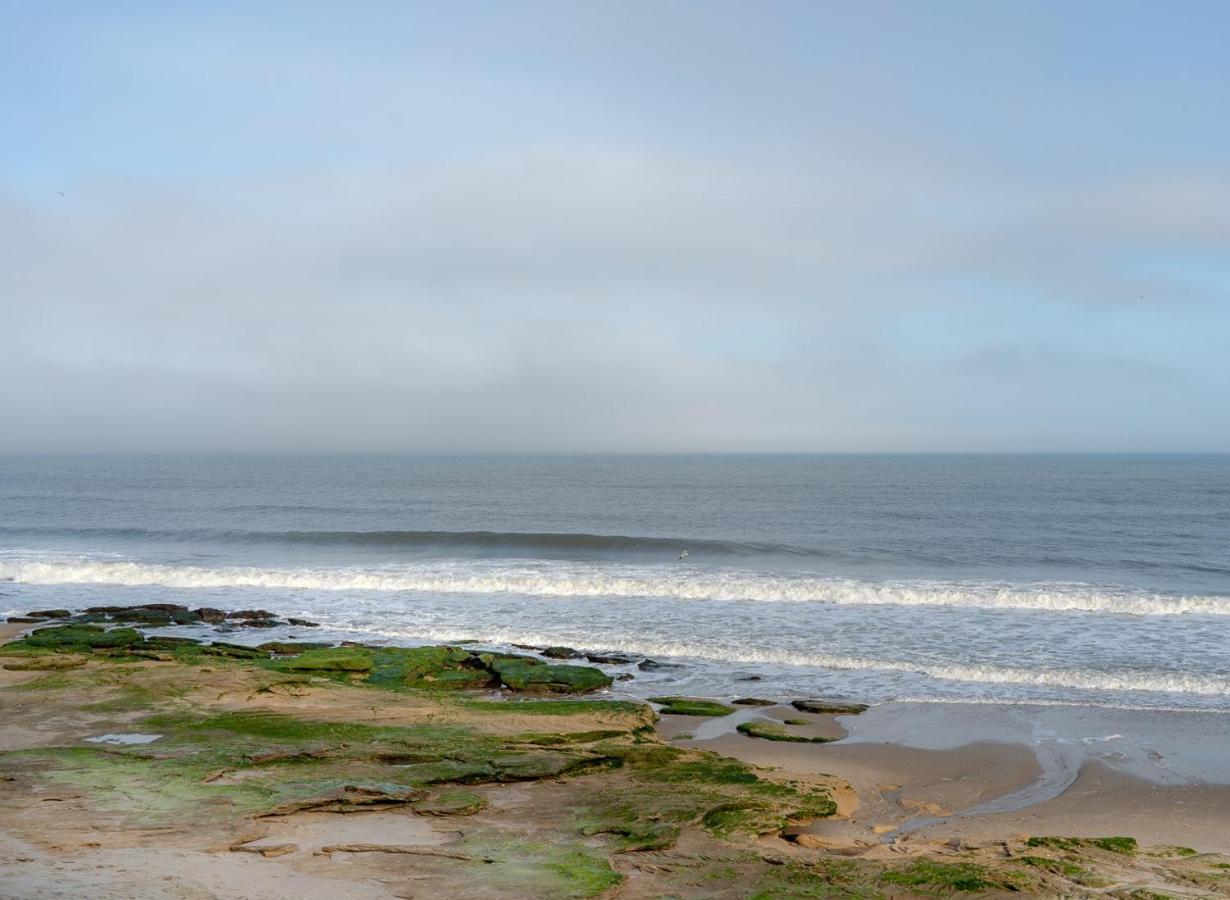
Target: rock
612 660
451 803
536 676
328 659
350 798
690 706
290 648
748 678
561 653
441 668
752 701
250 614
833 707
302 623
233 651
771 732
23 620
49 614
71 637
211 615
626 676
835 843
257 623
649 665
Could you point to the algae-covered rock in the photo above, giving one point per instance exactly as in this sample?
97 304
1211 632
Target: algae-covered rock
690 706
832 707
49 614
753 701
561 653
451 803
436 668
291 648
328 659
250 614
531 675
771 732
351 798
73 637
233 651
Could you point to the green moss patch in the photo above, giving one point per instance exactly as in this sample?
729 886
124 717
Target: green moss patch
964 877
771 732
688 706
1123 845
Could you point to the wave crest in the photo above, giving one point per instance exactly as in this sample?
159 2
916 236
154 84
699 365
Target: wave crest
620 581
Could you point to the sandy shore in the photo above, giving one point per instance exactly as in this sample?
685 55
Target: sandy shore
255 774
942 772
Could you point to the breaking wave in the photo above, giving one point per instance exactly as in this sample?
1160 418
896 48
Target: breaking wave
1153 681
676 582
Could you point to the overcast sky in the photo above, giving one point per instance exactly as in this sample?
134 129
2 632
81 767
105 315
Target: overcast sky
615 226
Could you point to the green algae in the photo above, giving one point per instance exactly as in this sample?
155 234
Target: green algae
825 878
688 706
636 835
770 732
963 877
451 803
1055 866
344 660
76 638
1125 846
533 675
621 708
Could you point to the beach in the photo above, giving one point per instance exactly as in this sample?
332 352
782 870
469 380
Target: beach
868 676
557 797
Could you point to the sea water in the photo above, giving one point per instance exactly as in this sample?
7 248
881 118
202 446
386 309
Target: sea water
1087 580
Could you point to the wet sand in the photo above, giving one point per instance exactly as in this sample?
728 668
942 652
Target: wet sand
928 773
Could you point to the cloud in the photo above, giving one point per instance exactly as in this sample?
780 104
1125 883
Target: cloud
608 297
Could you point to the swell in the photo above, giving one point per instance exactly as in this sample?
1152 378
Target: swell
546 542
671 583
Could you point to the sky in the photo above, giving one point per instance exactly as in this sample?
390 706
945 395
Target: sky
599 226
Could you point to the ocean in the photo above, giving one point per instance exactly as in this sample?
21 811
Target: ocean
1081 580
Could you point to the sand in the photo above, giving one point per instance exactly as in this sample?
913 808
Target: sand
976 790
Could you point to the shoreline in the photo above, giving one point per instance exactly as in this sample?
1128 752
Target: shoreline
924 773
1013 797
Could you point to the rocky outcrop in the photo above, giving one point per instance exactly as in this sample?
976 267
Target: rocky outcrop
832 707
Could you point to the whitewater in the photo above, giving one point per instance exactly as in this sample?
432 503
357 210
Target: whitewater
1073 581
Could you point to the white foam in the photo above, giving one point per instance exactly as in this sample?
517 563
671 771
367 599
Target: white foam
1080 679
613 580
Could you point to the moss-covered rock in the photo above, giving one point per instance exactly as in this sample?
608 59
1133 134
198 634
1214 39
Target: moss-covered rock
534 676
1123 845
74 638
832 707
328 660
451 803
770 732
689 706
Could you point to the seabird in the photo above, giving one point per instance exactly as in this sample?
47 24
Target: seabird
682 556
